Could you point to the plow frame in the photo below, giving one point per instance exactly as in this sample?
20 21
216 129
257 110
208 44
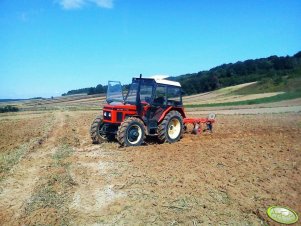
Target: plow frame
198 123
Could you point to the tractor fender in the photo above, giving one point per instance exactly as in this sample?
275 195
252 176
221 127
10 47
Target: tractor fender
139 117
134 116
167 110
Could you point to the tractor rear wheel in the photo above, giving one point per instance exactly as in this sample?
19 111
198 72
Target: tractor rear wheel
96 132
171 128
131 132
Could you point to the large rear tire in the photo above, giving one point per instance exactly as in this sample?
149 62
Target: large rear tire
170 130
131 132
96 133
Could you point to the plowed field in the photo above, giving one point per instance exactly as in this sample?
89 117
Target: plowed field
51 174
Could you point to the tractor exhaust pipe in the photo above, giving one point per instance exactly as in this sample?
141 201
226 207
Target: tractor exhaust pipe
138 101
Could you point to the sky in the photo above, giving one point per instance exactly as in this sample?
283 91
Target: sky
48 47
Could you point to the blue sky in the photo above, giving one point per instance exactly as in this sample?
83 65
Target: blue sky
48 47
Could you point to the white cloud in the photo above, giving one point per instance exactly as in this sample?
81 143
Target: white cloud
77 4
104 3
71 4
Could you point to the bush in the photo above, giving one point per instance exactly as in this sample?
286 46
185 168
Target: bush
8 108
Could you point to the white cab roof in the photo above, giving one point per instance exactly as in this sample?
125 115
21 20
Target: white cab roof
161 79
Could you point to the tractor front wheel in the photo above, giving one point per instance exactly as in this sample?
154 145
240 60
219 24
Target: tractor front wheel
131 132
171 128
96 131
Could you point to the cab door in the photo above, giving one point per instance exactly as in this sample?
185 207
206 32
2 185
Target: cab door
156 108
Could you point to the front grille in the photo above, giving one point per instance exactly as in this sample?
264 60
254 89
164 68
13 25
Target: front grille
119 116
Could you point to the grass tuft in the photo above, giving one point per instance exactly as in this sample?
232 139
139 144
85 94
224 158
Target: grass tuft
61 155
9 159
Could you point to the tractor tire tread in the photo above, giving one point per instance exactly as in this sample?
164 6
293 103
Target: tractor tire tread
121 133
96 139
162 128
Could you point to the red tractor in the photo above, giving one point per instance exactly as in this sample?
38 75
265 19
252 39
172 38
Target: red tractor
152 107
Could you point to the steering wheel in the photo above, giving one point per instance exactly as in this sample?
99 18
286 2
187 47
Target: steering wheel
144 103
148 99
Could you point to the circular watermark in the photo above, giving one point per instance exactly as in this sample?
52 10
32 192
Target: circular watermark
282 215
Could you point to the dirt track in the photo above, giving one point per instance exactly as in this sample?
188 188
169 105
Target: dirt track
229 177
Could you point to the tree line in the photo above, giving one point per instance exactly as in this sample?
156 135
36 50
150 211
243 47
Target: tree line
90 91
272 68
8 108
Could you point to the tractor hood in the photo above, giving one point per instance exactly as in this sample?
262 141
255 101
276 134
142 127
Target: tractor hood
117 106
117 112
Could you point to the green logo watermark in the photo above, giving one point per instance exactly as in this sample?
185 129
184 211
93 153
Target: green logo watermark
282 215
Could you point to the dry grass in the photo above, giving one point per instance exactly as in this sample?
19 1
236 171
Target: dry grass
54 190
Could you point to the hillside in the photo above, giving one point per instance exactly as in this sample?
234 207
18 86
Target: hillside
272 71
233 98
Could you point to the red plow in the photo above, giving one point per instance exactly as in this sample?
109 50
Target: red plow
200 124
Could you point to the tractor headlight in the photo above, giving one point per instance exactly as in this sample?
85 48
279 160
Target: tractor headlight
107 115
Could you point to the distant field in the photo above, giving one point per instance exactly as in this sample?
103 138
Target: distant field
247 100
239 95
74 102
225 95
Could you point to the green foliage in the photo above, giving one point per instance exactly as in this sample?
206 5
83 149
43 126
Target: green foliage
37 98
93 90
291 83
77 91
271 71
98 89
90 91
8 108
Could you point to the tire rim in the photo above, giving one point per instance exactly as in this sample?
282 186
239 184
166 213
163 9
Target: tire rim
134 134
174 128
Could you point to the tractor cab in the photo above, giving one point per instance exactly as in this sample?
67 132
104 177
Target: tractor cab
146 98
143 91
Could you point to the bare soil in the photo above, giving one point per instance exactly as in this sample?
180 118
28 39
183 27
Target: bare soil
229 177
19 131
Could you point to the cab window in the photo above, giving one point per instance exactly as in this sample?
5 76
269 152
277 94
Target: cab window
160 96
174 96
